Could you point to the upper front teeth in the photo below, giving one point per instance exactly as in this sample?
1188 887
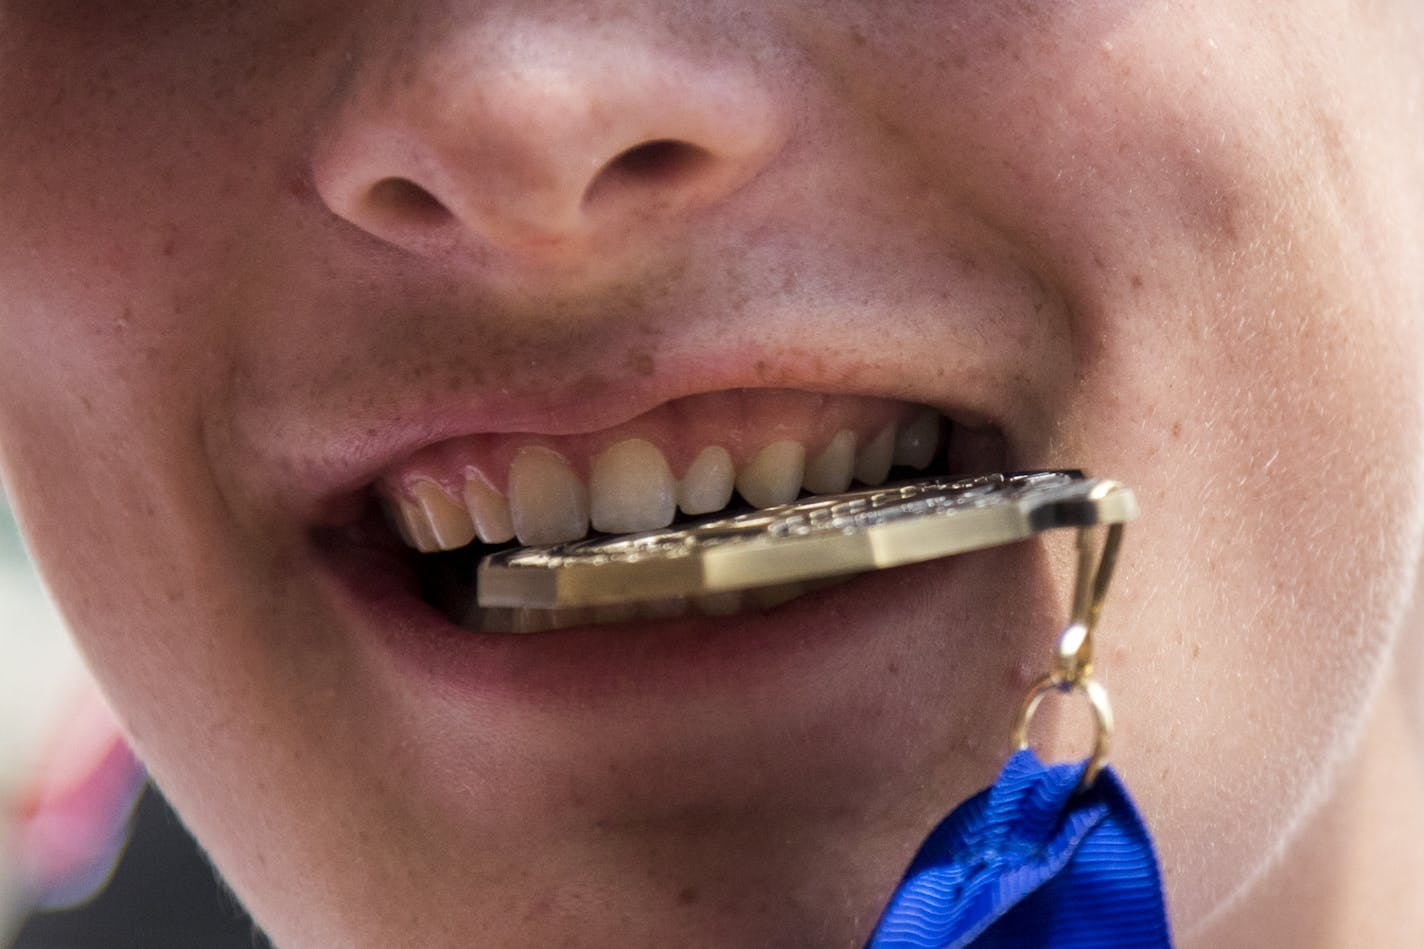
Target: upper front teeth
872 463
774 475
631 489
831 471
631 486
488 509
432 521
707 485
548 503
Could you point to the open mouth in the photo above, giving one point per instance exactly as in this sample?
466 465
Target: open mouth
709 454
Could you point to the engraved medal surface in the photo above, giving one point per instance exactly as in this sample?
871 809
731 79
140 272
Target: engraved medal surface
815 537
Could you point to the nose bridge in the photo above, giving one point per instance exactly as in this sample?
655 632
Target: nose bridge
528 132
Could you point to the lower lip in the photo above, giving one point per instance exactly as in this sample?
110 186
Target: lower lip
662 660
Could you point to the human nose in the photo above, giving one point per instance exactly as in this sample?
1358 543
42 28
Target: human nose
536 138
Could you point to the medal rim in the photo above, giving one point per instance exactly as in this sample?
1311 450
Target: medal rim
595 572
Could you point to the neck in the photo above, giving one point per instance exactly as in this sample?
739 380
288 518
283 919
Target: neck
1354 874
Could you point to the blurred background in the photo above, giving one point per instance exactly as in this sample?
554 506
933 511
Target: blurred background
91 857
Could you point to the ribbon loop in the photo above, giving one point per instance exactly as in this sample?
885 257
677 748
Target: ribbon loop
1030 863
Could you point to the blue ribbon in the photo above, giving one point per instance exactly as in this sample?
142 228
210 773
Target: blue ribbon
1028 864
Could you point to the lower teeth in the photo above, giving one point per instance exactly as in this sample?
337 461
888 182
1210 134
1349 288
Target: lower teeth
531 620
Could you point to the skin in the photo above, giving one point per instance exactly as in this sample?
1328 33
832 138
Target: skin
1178 244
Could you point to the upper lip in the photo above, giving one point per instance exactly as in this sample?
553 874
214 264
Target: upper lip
347 463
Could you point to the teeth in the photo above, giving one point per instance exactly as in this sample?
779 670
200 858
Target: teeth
765 598
918 441
489 620
488 509
613 613
541 621
831 471
825 583
774 475
631 489
413 525
548 503
529 620
719 604
872 467
707 486
432 521
664 609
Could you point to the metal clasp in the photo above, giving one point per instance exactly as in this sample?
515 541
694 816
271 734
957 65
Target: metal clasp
1073 666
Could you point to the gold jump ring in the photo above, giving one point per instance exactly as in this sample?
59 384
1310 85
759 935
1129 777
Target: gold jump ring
1102 713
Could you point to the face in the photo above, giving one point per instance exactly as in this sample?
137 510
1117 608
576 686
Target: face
283 280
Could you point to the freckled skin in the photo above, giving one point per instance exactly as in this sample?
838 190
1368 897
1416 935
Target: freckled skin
1177 244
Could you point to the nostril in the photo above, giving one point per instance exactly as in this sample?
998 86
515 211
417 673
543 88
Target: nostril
401 202
663 158
660 162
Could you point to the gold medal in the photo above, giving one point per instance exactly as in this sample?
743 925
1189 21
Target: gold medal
810 539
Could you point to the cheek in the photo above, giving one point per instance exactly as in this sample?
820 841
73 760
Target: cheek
1245 357
140 177
134 189
1252 405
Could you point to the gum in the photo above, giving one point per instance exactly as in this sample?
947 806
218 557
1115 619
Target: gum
743 421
